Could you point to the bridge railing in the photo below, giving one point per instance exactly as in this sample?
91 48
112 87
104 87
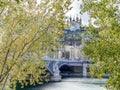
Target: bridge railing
66 60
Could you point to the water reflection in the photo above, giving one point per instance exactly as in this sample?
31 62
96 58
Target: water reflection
72 84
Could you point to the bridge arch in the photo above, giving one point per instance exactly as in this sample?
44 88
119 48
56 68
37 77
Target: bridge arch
62 64
65 69
49 70
70 69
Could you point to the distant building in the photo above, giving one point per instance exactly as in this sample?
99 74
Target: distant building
72 41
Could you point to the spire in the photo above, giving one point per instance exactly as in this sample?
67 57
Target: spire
73 19
80 21
77 19
70 18
67 22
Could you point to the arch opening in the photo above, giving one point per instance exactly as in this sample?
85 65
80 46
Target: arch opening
67 70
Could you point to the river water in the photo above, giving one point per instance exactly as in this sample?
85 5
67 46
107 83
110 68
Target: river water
71 84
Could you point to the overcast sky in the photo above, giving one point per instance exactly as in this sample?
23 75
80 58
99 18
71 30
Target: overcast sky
76 12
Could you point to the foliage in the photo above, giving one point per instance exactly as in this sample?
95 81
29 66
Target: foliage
104 48
27 30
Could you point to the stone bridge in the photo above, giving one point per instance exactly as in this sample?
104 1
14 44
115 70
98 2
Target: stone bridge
54 66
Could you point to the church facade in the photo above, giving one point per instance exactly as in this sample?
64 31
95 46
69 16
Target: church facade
72 41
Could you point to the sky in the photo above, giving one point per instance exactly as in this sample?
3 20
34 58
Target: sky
75 11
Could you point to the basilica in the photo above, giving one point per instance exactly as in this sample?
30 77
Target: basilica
72 41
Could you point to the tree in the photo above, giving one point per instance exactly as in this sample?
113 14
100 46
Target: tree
27 30
104 48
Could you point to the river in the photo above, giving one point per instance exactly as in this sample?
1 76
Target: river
71 84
